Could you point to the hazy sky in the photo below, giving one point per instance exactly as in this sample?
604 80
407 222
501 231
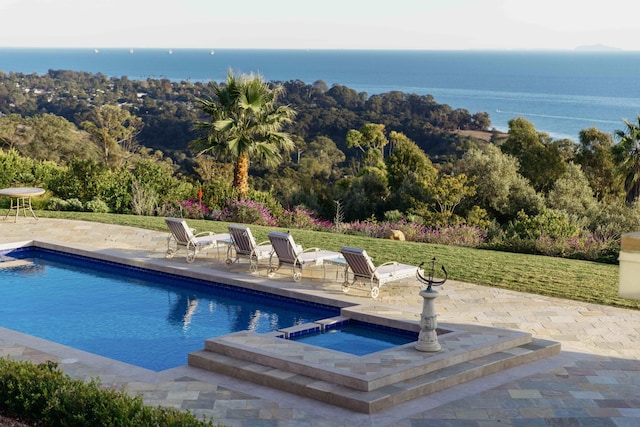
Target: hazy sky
332 24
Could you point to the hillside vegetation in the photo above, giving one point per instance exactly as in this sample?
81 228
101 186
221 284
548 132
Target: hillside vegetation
356 164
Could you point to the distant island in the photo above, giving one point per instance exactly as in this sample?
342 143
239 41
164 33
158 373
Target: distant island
598 48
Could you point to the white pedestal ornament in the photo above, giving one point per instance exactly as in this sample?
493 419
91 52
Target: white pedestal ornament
428 338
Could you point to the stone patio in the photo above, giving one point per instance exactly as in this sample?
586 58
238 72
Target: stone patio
595 380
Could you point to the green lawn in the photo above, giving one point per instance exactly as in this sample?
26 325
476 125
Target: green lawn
563 278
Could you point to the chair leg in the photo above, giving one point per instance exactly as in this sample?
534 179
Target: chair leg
253 264
346 286
272 270
192 251
170 251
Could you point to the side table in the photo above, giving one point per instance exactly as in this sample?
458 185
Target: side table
21 199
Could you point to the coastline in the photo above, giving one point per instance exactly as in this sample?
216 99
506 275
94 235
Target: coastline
560 92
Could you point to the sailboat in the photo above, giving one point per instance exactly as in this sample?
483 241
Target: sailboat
170 51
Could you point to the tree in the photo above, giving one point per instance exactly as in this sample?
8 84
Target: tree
58 140
480 121
595 156
245 122
572 193
12 131
627 156
448 192
541 160
114 131
46 137
407 160
500 189
369 136
365 195
411 173
320 158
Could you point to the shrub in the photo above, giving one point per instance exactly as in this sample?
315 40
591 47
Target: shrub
368 228
97 206
158 176
194 209
267 200
57 204
87 180
46 171
302 218
597 247
186 209
144 199
246 212
456 235
615 219
394 215
547 223
83 180
453 235
217 191
14 168
47 396
75 205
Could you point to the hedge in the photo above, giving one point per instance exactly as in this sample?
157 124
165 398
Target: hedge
44 395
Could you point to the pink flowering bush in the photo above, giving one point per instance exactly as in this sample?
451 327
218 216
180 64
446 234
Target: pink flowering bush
246 212
586 246
366 228
192 209
454 235
302 218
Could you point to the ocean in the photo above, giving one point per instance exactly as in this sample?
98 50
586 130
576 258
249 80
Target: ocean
561 93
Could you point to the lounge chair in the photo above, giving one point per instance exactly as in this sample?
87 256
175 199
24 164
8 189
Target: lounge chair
243 245
363 269
290 254
182 237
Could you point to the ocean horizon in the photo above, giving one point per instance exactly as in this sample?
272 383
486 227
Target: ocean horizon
560 92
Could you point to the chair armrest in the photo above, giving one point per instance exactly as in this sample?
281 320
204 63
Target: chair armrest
304 251
254 251
310 250
394 263
204 233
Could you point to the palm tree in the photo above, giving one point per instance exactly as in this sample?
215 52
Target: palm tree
246 123
627 155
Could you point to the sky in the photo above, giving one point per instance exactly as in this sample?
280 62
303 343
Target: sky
325 24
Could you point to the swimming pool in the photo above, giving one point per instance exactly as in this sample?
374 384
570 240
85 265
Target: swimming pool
138 316
357 338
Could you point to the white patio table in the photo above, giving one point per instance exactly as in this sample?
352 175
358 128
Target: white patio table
21 199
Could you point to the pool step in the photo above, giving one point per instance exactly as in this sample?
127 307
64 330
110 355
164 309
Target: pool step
14 263
370 383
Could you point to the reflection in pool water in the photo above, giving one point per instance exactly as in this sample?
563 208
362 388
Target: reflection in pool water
141 317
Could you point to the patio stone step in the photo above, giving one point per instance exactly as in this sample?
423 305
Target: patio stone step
367 372
383 397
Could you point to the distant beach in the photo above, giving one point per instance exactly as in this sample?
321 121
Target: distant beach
561 93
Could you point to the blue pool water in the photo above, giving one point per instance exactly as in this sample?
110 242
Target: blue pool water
137 316
357 338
